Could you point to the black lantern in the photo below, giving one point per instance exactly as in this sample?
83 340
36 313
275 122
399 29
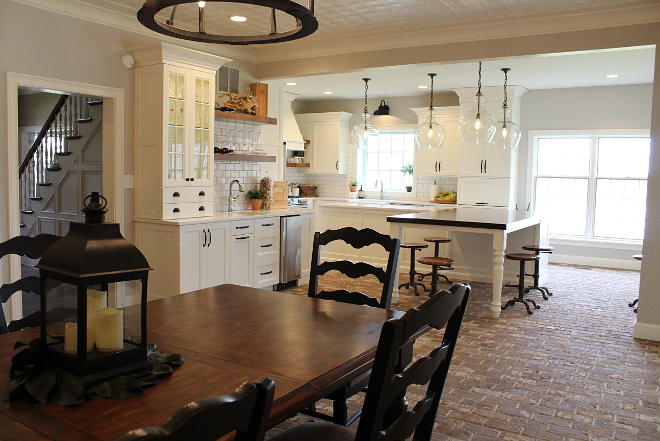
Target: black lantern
76 270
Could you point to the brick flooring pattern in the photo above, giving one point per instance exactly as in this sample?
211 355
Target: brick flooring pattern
569 371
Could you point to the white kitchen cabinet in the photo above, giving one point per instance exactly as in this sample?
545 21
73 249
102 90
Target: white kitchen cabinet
266 252
328 135
174 108
486 161
242 252
183 257
442 161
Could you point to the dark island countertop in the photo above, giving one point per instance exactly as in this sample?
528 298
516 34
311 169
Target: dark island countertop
471 217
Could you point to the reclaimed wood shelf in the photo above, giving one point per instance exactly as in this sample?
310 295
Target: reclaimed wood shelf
297 164
245 117
243 157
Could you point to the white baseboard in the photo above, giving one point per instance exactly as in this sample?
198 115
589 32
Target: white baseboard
646 331
595 261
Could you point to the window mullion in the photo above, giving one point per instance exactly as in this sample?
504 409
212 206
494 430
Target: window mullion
591 191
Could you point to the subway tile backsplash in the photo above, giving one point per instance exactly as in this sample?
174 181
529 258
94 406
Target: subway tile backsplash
335 186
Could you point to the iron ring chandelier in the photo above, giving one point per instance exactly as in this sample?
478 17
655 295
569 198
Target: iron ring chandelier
306 22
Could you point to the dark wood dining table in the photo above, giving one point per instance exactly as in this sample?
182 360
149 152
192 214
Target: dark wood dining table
228 335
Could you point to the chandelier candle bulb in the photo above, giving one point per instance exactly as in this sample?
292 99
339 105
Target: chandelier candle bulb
71 338
109 330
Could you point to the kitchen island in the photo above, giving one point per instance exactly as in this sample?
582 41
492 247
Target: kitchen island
498 223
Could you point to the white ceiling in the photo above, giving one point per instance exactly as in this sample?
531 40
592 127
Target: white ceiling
345 25
585 69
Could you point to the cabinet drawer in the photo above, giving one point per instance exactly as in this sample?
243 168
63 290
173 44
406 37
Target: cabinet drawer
177 195
267 227
244 226
187 209
267 274
267 249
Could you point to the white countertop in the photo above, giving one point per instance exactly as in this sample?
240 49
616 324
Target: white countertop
234 215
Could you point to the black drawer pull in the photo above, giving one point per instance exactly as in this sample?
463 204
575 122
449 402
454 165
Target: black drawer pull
176 210
176 194
481 203
187 179
267 225
244 237
266 246
267 272
242 227
201 193
192 179
201 208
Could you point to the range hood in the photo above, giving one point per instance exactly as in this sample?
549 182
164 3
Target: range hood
291 136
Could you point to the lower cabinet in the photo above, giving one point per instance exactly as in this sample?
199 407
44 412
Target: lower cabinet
266 252
183 257
242 255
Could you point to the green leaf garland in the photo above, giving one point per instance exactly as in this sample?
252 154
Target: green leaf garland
64 389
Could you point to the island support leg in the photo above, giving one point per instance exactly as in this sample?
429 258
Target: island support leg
499 245
396 231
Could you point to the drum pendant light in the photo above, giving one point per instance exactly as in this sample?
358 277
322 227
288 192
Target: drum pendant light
507 133
364 134
477 126
430 134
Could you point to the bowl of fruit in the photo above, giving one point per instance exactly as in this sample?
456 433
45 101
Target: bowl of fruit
446 197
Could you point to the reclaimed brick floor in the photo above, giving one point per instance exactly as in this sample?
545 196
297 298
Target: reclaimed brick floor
570 371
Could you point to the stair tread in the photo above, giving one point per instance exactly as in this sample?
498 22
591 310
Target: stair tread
84 120
72 137
27 211
35 198
53 169
63 153
95 103
44 184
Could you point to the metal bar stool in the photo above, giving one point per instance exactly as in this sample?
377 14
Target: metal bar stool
413 247
522 257
634 302
437 241
435 262
538 250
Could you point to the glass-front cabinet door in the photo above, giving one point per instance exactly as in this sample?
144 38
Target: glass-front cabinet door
202 148
189 129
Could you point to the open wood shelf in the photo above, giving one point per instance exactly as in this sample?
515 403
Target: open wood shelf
243 157
245 117
297 164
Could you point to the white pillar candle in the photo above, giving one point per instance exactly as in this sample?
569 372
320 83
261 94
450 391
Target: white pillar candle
71 338
96 301
109 330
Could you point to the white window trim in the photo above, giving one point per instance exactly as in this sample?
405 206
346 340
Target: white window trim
531 175
361 162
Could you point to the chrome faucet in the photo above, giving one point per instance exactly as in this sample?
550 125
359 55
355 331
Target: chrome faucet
233 198
382 192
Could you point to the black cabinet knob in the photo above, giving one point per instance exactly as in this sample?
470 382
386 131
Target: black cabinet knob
176 210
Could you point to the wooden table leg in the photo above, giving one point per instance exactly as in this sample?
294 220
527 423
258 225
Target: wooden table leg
499 245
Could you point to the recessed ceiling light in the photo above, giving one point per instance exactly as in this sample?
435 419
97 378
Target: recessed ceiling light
422 87
290 84
237 18
611 76
327 92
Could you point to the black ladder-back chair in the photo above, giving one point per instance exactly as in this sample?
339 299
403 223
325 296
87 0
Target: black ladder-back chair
32 247
445 309
246 411
357 239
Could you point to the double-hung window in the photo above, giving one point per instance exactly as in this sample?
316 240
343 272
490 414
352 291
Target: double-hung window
592 185
385 159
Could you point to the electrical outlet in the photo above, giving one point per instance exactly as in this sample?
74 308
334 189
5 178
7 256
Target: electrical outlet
129 181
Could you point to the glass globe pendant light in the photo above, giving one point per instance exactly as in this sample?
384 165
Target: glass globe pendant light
477 126
430 134
507 133
364 134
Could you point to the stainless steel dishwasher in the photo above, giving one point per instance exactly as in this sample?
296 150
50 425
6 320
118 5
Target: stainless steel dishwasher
290 255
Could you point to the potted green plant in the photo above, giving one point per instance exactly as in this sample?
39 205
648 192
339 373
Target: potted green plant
256 197
407 170
352 186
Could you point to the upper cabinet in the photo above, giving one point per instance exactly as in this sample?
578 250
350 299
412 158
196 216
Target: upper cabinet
175 100
442 161
328 135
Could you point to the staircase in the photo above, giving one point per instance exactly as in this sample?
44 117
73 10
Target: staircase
63 165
